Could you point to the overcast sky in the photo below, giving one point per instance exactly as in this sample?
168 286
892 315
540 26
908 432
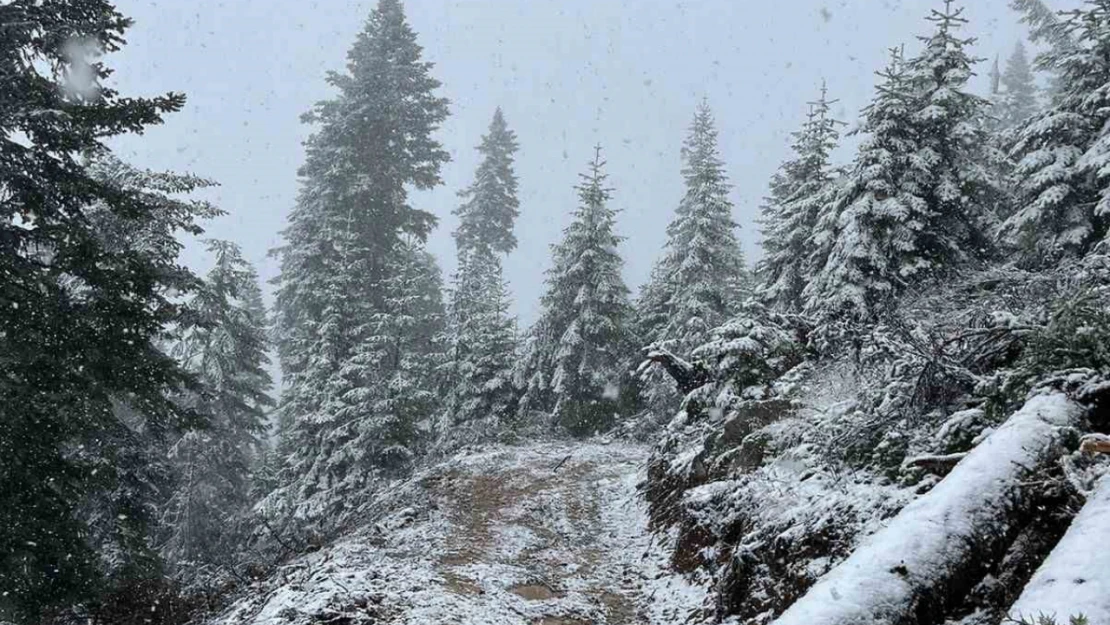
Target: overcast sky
568 73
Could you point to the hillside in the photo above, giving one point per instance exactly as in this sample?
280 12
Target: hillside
550 533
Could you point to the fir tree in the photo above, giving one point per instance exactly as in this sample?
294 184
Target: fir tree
481 398
353 246
869 226
701 277
84 403
1062 152
924 188
490 205
578 351
800 190
481 338
225 347
1018 100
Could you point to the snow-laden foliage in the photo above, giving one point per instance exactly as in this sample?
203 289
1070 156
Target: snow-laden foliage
801 192
480 402
358 300
481 344
701 277
797 446
490 205
577 355
1062 153
224 345
920 196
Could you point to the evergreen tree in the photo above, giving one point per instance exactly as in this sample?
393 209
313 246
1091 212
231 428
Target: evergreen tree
481 398
490 205
1062 152
701 276
870 225
481 336
225 347
923 189
800 190
84 402
578 352
1018 100
353 247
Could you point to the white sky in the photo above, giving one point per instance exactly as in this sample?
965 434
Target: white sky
568 74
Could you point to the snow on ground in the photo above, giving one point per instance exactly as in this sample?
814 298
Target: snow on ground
1074 579
551 534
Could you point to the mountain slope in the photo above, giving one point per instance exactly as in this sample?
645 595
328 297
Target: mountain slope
550 534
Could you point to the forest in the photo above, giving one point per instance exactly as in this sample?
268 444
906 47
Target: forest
897 413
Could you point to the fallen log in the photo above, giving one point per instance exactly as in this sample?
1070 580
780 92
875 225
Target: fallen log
1074 579
930 555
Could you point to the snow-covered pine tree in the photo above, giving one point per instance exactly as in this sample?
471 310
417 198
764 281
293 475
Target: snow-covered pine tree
801 191
884 186
85 395
490 206
578 353
481 337
482 351
225 346
921 194
1017 101
964 189
349 249
1062 153
701 277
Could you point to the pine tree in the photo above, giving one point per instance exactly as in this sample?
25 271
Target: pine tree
84 402
578 352
1018 101
923 188
481 337
353 247
490 205
701 276
225 347
870 225
1062 152
800 190
481 398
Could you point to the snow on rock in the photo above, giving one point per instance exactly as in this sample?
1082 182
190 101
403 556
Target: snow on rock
547 533
932 537
1074 579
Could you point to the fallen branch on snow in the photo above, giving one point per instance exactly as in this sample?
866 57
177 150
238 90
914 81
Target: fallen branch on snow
1095 444
937 465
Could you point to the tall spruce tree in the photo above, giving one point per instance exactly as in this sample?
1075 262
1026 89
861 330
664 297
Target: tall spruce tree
84 401
482 351
870 222
924 186
353 270
1062 153
481 337
701 277
225 347
1017 101
490 206
577 357
800 190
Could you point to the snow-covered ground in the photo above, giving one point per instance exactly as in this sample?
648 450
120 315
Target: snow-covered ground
551 534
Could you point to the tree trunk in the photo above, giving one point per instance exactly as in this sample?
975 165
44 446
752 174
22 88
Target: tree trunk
938 547
1075 578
